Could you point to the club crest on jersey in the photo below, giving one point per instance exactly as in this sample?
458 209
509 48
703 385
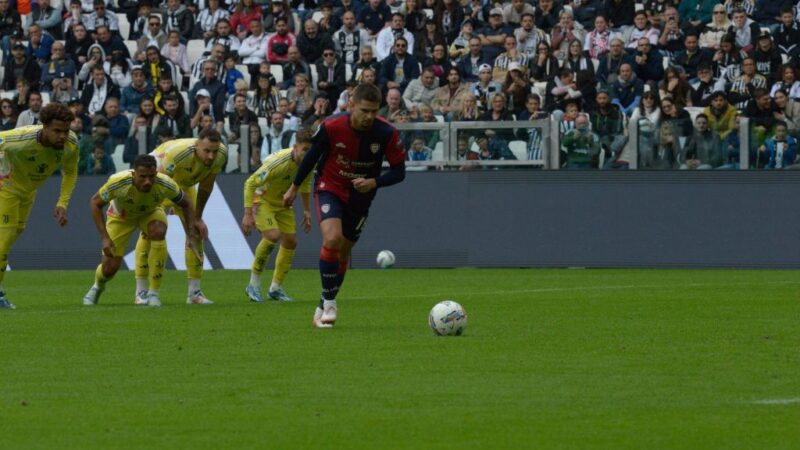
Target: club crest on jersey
374 148
325 208
340 145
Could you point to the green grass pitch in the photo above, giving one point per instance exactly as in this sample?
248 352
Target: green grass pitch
551 359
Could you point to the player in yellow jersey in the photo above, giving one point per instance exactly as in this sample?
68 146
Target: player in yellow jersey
28 156
189 162
263 208
135 199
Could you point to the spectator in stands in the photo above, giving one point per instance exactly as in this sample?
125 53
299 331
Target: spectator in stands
59 66
696 13
256 141
320 109
547 15
609 125
561 90
48 18
178 18
386 37
648 109
175 51
100 163
485 88
493 35
470 64
394 105
585 11
77 44
295 65
98 134
676 87
223 35
140 24
498 111
448 15
415 18
504 60
110 43
459 48
598 41
256 48
349 40
311 42
215 88
649 62
20 98
278 44
277 138
741 89
787 34
788 82
425 42
767 13
609 63
399 68
10 25
241 115
421 90
581 146
761 111
120 70
301 95
528 36
516 87
728 59
692 56
72 18
240 87
266 98
8 115
97 91
244 14
533 109
515 10
63 91
702 150
101 17
703 86
173 122
31 115
153 36
331 74
208 18
39 44
77 109
713 32
788 110
97 58
779 151
118 124
469 110
767 58
565 32
618 12
744 30
576 59
667 151
165 88
679 118
146 122
545 66
374 17
721 115
19 66
278 9
448 99
217 55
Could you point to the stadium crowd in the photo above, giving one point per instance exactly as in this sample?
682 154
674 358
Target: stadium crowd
685 71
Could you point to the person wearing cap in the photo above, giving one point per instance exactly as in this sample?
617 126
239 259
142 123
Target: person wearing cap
502 64
19 65
59 66
133 93
485 88
470 65
493 35
513 12
767 57
703 86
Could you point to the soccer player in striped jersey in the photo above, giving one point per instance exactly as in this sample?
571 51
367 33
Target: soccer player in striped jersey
135 198
28 156
348 151
189 162
264 210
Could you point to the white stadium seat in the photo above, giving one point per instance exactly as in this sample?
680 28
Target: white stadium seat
124 26
518 148
132 48
277 71
195 49
117 157
243 68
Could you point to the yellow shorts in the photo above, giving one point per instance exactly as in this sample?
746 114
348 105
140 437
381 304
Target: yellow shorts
172 208
271 217
120 230
14 209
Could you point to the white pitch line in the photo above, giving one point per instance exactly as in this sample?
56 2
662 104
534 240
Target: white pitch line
777 401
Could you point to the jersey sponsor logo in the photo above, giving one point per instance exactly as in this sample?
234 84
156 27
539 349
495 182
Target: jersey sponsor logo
374 148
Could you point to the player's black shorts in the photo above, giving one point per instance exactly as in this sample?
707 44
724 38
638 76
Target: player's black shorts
353 215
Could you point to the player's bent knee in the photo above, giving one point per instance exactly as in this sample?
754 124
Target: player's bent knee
289 241
156 231
271 235
111 265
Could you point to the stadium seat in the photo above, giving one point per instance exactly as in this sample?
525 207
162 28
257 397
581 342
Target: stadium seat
233 158
227 126
428 13
7 94
540 88
693 111
186 103
314 74
317 16
124 26
132 48
117 157
277 71
45 98
195 49
243 68
263 124
518 148
438 152
595 63
348 72
297 25
666 62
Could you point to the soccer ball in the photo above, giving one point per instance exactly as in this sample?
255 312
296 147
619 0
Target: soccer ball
448 318
385 259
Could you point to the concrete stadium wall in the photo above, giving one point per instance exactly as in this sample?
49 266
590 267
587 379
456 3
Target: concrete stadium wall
500 218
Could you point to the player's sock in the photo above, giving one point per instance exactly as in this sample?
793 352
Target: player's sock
141 255
7 238
263 251
328 271
142 284
100 280
156 259
283 262
194 266
194 285
340 274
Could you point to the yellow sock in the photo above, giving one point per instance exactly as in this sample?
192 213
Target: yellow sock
194 266
263 251
283 262
7 238
157 259
100 280
142 257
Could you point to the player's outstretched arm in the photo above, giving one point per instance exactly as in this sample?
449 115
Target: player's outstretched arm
97 204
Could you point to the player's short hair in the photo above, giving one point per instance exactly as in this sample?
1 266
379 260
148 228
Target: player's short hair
146 161
367 92
304 136
56 111
210 134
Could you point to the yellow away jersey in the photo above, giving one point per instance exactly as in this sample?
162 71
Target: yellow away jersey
25 163
273 179
125 201
176 159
